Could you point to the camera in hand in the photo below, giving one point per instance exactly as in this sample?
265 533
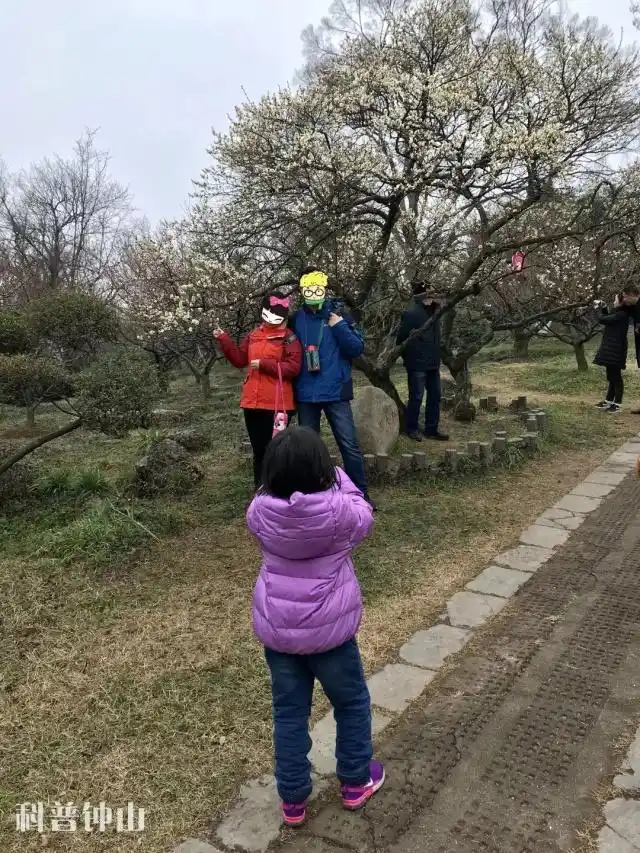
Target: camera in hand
312 359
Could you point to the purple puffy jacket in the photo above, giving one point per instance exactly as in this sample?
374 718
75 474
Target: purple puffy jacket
307 597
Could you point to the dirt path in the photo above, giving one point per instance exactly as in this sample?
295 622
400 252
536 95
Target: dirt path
507 749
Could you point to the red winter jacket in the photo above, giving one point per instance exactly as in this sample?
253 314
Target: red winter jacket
270 346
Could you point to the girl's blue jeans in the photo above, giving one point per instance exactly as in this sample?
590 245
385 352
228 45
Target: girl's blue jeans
341 675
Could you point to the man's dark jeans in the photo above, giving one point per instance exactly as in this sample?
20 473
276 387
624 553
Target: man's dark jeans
342 425
340 673
419 381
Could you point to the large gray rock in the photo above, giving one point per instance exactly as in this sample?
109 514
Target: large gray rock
166 469
191 439
169 417
377 421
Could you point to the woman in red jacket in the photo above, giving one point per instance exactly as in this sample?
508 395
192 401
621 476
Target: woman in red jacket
273 356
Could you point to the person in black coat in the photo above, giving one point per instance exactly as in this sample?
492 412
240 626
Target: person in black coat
636 328
613 349
421 359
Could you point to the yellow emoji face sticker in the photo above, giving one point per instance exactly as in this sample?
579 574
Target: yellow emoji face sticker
313 287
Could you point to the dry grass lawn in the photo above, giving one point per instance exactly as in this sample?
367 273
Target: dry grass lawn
129 669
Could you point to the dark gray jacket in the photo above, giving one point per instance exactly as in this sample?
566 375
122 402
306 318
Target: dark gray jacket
423 353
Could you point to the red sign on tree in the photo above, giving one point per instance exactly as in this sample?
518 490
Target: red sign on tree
517 261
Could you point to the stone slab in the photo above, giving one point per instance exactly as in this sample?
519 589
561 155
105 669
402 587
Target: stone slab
571 523
429 649
544 537
194 845
555 514
610 842
622 459
323 736
575 503
592 490
623 816
542 521
607 477
632 447
524 558
396 685
496 580
471 609
255 820
629 778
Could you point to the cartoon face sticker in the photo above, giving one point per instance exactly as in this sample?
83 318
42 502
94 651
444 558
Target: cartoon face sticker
275 309
313 287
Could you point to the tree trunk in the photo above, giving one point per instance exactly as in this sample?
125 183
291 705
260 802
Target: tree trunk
10 461
462 378
163 372
521 345
581 357
205 385
31 416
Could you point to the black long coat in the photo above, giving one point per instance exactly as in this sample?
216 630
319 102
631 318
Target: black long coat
614 345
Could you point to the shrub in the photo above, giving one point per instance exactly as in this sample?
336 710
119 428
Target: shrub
15 336
28 380
117 393
74 324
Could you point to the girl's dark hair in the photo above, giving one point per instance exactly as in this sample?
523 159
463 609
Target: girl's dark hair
297 460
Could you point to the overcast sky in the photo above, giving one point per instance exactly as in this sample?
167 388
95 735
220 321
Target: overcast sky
154 76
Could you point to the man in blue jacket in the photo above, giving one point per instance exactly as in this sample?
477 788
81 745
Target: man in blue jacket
330 342
421 359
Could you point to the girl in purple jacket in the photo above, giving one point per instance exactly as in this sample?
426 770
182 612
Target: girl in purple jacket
308 517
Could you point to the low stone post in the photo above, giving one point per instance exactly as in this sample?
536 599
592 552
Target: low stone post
541 420
420 462
485 454
382 464
451 459
370 465
406 464
473 449
499 445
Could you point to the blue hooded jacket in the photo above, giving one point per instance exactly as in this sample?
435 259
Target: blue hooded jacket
338 346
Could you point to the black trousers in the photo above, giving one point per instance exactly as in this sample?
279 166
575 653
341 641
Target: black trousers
616 384
259 424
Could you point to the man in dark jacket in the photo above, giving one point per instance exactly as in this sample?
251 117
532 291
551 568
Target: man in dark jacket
330 342
421 358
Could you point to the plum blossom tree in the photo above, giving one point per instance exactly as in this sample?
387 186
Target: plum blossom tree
423 147
177 295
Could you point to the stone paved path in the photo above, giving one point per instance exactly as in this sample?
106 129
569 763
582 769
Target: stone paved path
504 746
502 754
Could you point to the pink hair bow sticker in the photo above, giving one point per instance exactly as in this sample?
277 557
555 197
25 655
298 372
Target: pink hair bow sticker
274 300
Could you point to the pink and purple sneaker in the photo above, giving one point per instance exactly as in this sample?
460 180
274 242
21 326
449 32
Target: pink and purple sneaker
294 814
355 796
